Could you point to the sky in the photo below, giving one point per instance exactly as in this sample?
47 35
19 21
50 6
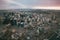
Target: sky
32 4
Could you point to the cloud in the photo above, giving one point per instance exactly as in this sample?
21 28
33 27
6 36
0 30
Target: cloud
53 8
16 3
39 2
12 4
3 4
9 4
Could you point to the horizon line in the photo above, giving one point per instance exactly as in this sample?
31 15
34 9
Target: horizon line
47 8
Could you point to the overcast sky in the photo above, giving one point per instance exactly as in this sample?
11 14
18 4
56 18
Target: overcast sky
12 4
